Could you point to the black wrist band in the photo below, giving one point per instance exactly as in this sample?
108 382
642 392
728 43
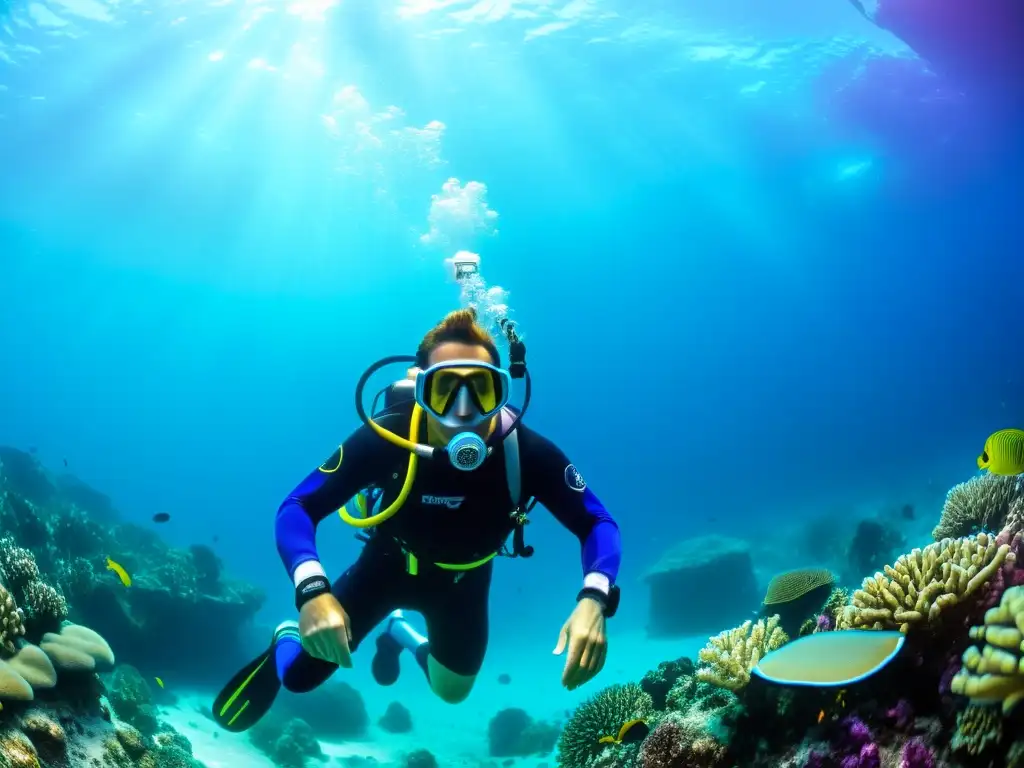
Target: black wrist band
609 603
311 587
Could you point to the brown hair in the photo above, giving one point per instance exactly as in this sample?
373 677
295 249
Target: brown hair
461 327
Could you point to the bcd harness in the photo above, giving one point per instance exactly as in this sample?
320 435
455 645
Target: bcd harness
518 517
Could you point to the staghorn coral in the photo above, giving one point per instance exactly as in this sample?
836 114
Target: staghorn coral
729 657
12 624
996 672
981 504
977 728
601 715
925 582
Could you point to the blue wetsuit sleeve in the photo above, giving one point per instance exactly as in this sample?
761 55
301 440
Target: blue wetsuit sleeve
554 481
360 461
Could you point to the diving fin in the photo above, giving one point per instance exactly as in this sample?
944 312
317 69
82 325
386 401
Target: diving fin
249 695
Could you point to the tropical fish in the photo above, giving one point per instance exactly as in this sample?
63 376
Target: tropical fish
631 732
1003 453
122 574
161 517
831 659
159 682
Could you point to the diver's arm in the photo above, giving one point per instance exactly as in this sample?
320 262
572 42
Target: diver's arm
551 478
357 463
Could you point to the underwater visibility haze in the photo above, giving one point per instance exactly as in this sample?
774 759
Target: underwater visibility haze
765 263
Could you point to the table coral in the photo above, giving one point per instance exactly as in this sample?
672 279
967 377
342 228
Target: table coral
996 671
920 585
729 657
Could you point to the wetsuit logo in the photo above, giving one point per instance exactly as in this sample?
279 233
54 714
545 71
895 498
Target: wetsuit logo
574 479
452 502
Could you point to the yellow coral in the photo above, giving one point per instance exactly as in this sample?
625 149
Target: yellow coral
996 672
729 657
925 582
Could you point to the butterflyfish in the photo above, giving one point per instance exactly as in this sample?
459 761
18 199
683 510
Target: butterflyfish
830 659
631 732
122 574
1003 453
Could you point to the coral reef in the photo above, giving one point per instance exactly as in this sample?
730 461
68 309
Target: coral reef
513 733
996 672
600 716
981 504
794 596
925 582
699 585
58 534
947 698
728 658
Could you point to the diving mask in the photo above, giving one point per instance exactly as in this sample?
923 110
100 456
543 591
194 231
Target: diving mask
460 395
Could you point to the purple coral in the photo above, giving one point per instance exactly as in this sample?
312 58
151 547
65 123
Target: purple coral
901 715
916 755
824 623
867 757
857 731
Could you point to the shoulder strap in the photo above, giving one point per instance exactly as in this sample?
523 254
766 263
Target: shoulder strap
512 469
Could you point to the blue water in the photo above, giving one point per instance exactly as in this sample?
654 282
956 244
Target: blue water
737 317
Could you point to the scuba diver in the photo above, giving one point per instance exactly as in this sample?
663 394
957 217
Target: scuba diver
441 478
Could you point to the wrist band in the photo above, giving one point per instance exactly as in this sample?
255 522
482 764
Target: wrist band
310 587
609 603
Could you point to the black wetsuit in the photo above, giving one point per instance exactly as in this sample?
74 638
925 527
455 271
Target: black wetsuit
450 517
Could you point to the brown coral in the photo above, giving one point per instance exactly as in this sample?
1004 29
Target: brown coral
792 585
17 751
925 582
46 734
981 504
676 744
12 625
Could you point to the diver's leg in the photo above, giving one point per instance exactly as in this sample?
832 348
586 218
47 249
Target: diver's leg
457 627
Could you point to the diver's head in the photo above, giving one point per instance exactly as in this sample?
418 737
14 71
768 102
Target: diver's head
464 398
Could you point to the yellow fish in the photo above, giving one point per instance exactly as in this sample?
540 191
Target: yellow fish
122 574
159 682
1003 453
631 732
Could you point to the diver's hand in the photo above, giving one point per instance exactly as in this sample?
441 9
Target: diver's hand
584 635
323 627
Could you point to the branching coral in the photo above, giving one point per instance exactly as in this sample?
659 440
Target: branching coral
981 504
920 585
600 716
996 672
729 657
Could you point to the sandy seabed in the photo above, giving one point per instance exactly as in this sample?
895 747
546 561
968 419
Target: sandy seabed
455 734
